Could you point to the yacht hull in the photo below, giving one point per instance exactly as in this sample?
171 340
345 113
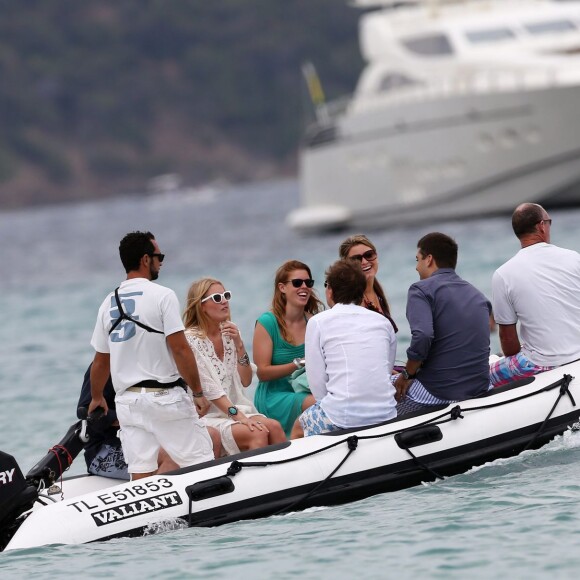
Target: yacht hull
445 158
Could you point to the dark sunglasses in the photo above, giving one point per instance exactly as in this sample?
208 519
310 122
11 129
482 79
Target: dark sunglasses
219 298
297 282
369 256
160 257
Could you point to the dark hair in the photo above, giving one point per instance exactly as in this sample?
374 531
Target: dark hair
133 247
347 281
441 247
525 218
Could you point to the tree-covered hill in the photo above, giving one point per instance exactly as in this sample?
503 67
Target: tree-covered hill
97 97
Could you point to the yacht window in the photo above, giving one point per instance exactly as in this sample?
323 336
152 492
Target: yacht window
429 45
395 81
490 35
551 27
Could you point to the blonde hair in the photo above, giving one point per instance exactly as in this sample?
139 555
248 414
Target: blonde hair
313 306
194 317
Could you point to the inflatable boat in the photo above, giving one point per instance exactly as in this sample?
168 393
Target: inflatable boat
44 508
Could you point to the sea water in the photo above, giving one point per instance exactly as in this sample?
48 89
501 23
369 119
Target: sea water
518 517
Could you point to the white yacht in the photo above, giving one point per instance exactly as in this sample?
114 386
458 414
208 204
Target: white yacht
464 108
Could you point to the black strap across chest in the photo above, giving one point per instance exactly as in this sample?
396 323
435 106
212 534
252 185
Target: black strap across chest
124 316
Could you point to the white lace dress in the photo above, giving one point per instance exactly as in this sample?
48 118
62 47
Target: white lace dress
219 378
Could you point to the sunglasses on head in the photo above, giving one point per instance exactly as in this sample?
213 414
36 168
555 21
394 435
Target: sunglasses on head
297 282
160 257
218 298
369 256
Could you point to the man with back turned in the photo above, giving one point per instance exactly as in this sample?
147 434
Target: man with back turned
448 358
539 288
139 339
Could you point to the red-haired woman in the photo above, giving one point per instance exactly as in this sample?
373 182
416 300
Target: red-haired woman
279 344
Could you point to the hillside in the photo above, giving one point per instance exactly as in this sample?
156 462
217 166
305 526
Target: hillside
99 97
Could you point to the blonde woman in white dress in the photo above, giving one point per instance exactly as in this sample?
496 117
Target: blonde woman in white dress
225 370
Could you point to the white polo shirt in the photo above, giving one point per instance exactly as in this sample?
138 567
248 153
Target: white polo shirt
350 353
539 288
136 354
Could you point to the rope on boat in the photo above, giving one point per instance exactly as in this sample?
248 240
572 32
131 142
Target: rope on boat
564 390
423 466
451 415
57 450
352 442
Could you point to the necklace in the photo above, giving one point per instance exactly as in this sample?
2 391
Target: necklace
371 305
367 301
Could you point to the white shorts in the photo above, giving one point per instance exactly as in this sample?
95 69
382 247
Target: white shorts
224 426
165 419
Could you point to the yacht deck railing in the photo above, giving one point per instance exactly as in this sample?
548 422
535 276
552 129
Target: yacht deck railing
437 86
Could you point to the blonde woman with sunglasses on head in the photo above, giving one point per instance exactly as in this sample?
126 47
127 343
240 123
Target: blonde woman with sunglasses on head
225 370
279 344
360 249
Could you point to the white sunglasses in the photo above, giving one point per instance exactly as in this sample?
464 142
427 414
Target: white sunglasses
218 298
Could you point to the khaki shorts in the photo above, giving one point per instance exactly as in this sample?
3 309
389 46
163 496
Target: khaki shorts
158 419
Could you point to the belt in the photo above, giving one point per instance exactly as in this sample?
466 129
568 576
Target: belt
146 389
151 386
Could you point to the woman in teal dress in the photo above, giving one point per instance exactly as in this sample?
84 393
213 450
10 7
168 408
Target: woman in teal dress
279 344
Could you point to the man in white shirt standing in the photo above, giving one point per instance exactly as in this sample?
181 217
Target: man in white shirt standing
539 289
139 339
350 352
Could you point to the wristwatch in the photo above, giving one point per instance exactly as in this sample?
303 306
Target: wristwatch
232 411
407 376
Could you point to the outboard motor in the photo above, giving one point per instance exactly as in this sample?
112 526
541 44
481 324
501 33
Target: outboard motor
16 496
18 493
59 458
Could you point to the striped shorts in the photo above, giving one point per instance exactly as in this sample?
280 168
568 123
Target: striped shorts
510 368
418 398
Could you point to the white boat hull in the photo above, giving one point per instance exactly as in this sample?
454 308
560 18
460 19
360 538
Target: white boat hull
453 158
498 425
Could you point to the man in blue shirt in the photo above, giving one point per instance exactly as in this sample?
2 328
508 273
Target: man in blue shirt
448 358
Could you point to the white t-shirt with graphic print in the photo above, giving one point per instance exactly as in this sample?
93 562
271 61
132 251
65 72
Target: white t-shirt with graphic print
137 354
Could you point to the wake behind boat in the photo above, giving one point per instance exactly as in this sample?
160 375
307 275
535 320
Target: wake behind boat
328 469
464 108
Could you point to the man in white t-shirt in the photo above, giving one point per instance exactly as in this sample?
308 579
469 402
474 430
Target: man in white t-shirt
139 339
350 352
539 289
